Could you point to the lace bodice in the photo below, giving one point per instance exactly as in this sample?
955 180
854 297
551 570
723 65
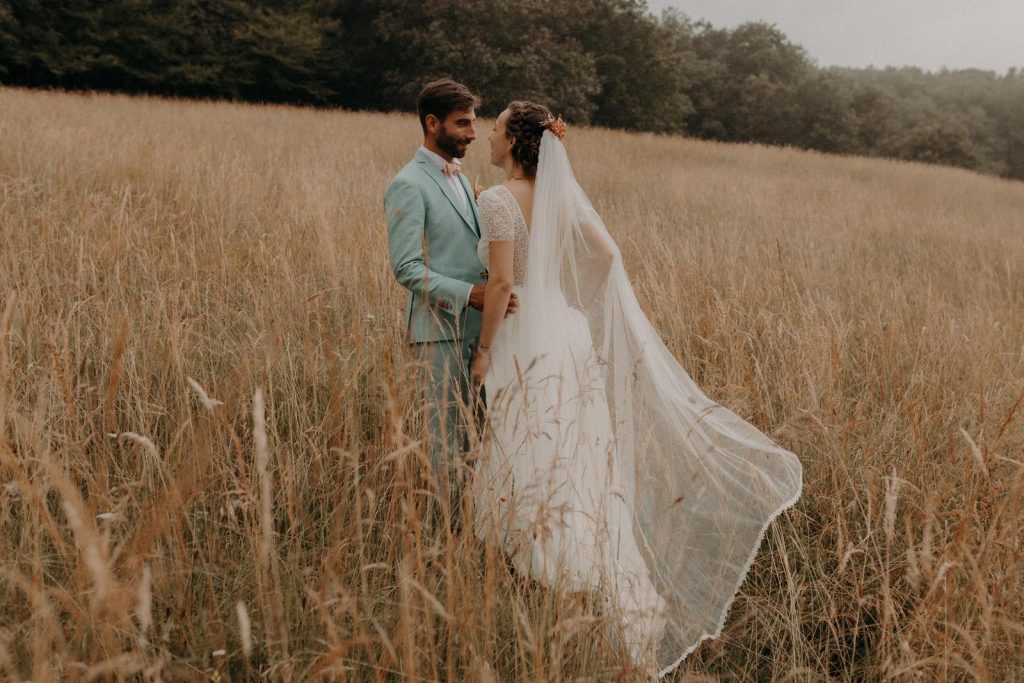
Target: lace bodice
501 220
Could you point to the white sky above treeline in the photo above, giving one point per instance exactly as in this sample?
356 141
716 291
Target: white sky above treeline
957 34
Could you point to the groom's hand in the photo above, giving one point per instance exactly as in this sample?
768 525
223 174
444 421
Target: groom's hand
476 300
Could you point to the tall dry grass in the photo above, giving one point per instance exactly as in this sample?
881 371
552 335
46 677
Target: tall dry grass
210 458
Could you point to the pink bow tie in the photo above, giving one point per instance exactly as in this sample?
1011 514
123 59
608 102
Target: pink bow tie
451 169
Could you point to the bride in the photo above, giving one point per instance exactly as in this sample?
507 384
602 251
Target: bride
606 468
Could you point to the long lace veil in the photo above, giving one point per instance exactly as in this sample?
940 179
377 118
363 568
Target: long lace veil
701 484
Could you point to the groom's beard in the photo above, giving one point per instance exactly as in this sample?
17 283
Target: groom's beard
451 146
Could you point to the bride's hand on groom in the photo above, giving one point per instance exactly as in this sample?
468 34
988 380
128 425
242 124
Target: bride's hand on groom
481 363
476 300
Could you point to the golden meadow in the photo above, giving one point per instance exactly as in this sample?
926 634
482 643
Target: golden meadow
272 516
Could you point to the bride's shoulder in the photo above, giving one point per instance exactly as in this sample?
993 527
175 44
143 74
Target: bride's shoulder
495 194
492 192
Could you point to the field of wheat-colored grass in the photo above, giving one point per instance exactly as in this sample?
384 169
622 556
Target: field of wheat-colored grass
270 517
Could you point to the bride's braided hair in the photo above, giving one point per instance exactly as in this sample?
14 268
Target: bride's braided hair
526 123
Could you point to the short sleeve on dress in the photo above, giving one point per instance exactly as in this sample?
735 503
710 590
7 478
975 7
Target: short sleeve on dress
496 217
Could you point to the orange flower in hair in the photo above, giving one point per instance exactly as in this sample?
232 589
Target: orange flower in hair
556 126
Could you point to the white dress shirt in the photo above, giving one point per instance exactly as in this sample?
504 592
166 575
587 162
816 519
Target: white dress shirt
456 186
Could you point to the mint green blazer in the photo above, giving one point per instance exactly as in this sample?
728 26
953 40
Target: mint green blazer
432 243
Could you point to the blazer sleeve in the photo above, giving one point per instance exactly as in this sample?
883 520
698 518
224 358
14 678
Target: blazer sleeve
406 213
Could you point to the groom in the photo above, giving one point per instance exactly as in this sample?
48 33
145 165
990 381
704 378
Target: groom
433 230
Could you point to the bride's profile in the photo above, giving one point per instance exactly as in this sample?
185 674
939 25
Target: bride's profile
605 468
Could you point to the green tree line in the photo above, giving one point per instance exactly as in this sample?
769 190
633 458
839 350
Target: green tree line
602 62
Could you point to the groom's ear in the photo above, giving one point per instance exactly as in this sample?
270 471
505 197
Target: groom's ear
433 124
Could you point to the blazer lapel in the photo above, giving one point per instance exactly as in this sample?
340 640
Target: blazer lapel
435 173
471 202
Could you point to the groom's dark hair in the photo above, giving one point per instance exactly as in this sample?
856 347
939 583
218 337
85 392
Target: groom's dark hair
441 98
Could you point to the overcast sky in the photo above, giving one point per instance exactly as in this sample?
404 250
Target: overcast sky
958 34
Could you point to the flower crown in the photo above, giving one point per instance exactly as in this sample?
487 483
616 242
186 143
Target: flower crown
556 126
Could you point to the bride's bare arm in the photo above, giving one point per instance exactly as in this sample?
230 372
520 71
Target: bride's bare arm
496 297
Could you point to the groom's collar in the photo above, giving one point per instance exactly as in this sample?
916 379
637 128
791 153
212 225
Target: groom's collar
437 158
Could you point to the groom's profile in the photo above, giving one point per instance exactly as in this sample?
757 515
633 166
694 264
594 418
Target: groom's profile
433 230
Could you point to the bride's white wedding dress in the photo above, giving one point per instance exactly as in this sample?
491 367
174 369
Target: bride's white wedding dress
606 468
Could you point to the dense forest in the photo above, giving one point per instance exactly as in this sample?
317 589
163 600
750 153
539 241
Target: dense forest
603 62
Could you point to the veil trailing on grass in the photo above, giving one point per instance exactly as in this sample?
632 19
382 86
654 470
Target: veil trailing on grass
651 490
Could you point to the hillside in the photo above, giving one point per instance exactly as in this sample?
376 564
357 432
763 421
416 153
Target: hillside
609 63
866 313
